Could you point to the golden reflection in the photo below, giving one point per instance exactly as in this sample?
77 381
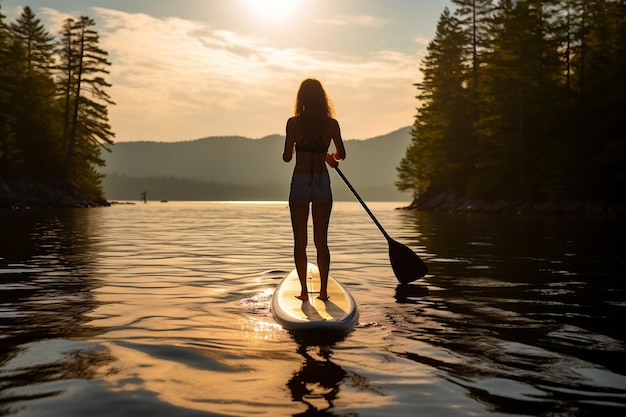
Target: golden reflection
206 379
262 330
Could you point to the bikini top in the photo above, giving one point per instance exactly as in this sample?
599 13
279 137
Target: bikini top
312 149
312 145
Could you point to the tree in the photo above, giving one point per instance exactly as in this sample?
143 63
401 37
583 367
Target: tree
33 96
7 140
520 102
440 155
37 42
44 107
408 171
87 131
474 17
544 80
601 64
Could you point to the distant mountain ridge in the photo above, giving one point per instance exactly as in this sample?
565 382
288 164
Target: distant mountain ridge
246 163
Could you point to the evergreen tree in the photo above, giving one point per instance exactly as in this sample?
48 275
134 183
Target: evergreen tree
83 64
519 101
474 17
65 78
7 140
33 97
408 171
44 107
440 155
37 42
601 64
524 100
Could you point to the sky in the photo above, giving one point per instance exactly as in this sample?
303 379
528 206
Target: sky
188 69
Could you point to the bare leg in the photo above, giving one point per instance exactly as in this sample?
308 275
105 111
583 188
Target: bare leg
321 218
299 219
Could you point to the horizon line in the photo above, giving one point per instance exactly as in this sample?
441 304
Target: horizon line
249 138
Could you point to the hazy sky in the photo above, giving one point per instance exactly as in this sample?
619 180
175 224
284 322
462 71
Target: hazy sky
188 69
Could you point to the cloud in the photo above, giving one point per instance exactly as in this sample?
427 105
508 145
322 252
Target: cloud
422 40
55 18
354 20
175 79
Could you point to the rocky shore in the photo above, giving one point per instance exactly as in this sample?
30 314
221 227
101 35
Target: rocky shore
19 193
453 203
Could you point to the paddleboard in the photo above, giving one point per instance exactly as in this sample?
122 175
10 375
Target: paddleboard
338 313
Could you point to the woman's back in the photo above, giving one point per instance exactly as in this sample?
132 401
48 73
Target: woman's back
311 142
309 133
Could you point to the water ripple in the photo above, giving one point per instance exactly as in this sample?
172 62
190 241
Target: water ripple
164 309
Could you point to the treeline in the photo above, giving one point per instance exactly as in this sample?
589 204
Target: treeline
522 100
53 102
171 188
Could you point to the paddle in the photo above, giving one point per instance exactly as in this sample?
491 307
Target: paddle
406 264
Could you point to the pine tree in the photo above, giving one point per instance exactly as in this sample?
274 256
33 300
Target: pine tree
474 17
588 156
33 97
520 100
408 172
7 139
37 42
83 64
602 94
546 81
440 155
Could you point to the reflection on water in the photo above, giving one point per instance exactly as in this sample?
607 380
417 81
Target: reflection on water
316 384
529 310
163 309
47 277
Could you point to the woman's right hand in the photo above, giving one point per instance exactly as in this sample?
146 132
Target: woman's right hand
330 160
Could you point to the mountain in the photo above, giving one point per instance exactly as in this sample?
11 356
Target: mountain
238 168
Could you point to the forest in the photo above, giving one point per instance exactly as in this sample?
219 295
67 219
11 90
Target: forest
53 102
519 100
522 100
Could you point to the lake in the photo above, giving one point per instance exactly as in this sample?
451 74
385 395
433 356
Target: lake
162 309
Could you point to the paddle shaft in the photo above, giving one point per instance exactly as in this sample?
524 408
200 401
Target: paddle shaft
407 265
343 177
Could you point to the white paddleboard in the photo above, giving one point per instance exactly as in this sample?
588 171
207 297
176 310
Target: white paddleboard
338 313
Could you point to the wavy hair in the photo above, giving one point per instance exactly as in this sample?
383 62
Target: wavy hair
312 103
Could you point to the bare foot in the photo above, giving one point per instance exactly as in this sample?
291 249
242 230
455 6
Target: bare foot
302 297
323 297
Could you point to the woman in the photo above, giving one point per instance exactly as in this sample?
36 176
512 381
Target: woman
309 134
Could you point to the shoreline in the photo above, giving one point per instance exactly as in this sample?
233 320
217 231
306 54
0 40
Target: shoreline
20 193
451 203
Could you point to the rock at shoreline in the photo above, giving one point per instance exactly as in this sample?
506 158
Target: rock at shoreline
24 193
453 203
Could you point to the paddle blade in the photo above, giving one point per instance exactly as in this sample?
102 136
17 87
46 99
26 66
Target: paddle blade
407 266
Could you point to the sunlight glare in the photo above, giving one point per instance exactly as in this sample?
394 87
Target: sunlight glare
272 9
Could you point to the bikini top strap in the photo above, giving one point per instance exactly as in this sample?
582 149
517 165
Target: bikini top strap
313 145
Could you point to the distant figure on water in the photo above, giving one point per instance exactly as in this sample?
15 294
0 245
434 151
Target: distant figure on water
144 195
309 134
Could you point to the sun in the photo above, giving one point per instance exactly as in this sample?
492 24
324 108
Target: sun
272 9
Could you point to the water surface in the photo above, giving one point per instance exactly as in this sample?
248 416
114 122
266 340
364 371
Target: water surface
162 309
